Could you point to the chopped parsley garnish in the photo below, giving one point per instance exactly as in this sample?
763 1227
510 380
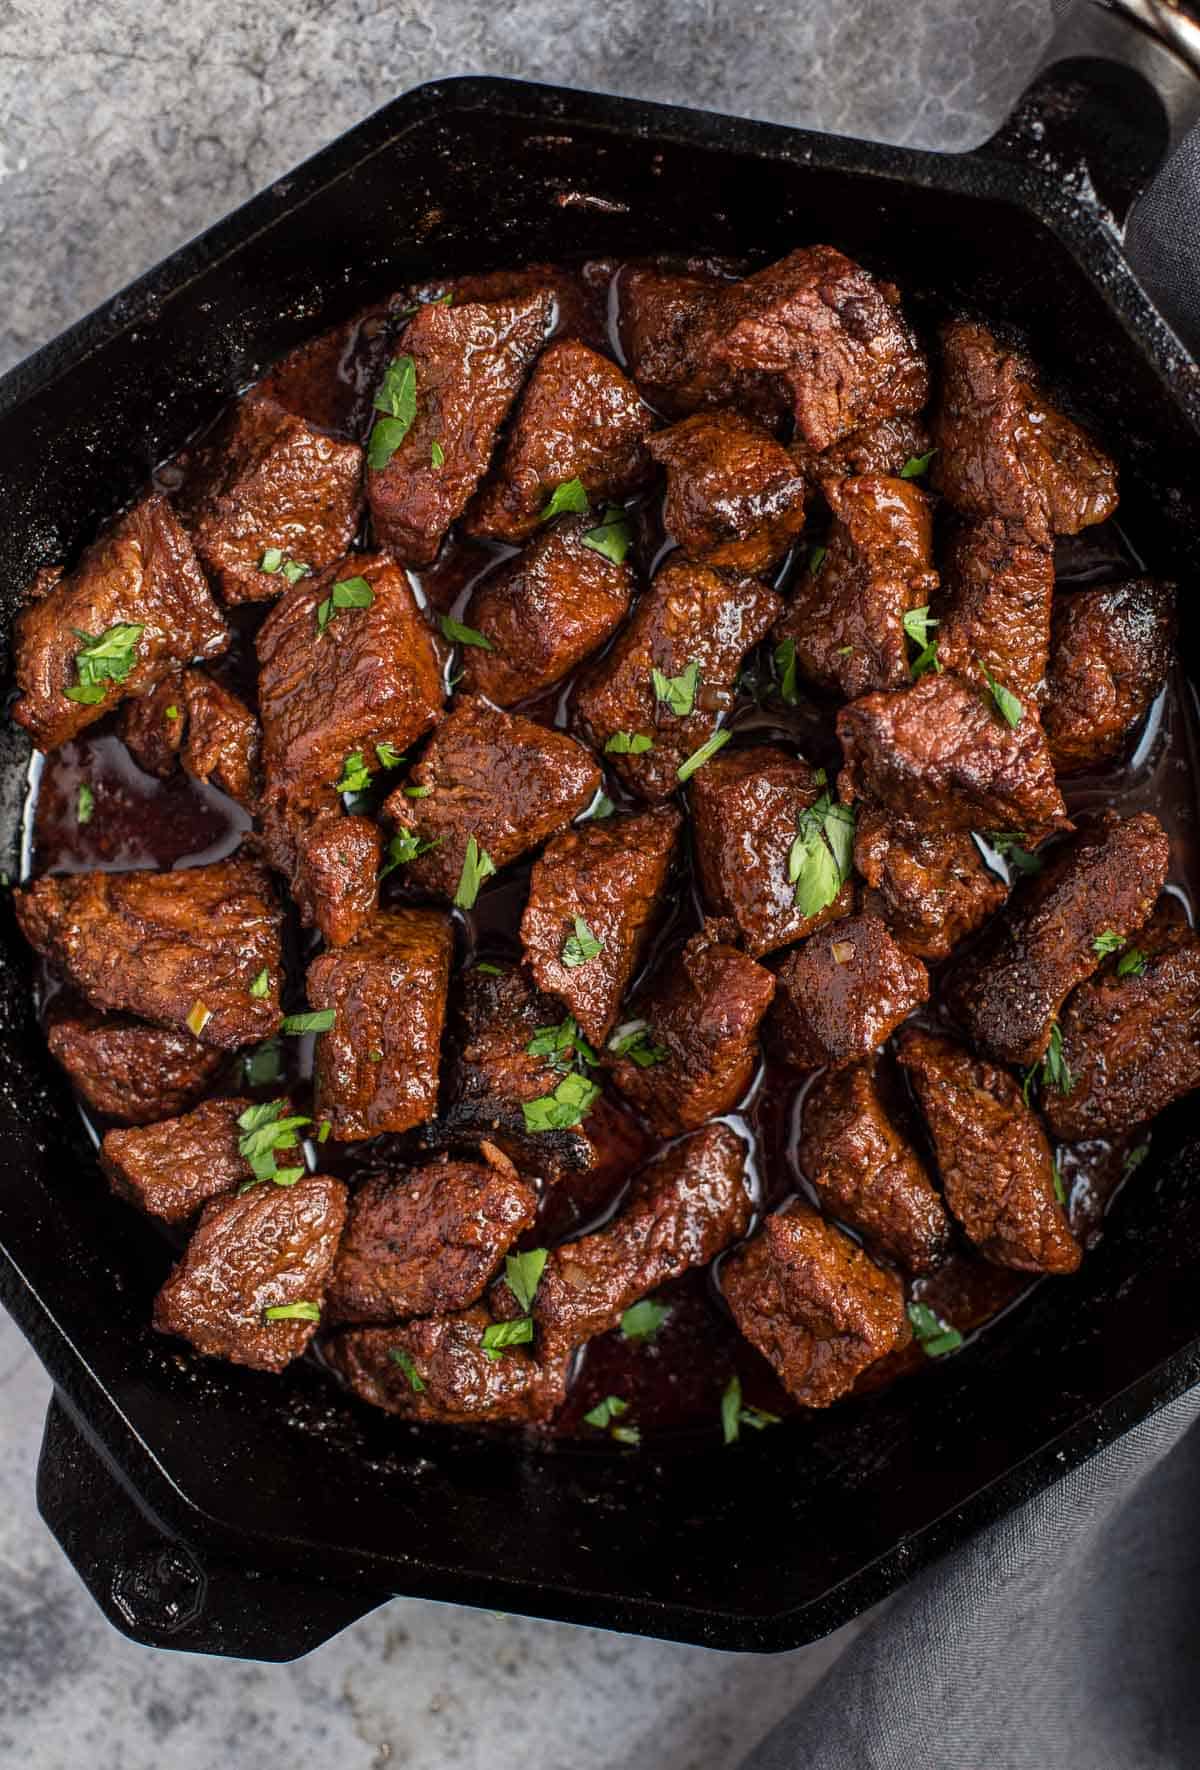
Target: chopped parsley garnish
454 630
437 454
524 1274
398 1356
198 1018
626 1435
1132 963
570 496
356 776
85 804
555 1042
104 657
318 1020
346 593
820 858
628 743
917 465
1005 699
478 865
566 1107
613 537
264 1065
926 660
635 1041
417 792
603 807
326 1128
935 1336
293 1312
397 400
605 1412
641 1321
406 845
704 754
816 558
734 1416
917 623
500 1334
581 946
1060 1191
264 1130
1009 845
261 984
1053 1070
171 712
488 969
1108 942
679 692
276 560
389 756
1134 1160
785 663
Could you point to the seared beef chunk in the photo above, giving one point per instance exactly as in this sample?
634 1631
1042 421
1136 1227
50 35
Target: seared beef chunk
702 1013
177 949
330 380
171 1169
377 1067
940 754
735 498
127 1070
1131 1041
426 1242
267 482
846 616
844 992
193 719
1008 990
470 362
813 1304
134 608
694 627
1004 451
1111 649
886 446
867 1174
932 885
610 876
438 1369
336 882
542 613
579 418
494 777
995 610
252 1252
658 308
578 307
746 806
996 1167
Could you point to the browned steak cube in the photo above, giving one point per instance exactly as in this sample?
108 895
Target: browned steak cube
1007 992
658 307
887 445
495 777
844 992
542 613
814 1305
933 887
1003 450
171 1169
1111 649
941 754
127 1070
735 498
470 361
377 1066
179 949
578 308
336 882
702 1013
138 599
1130 1040
192 718
268 481
330 380
998 585
867 1174
995 1163
746 806
437 1369
609 875
426 1242
693 627
272 1247
578 418
846 616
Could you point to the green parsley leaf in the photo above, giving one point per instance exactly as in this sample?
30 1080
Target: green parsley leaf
264 1065
613 537
626 1435
935 1336
606 1411
1059 1189
641 1321
261 984
389 756
1004 698
679 692
398 1356
437 454
489 970
917 465
785 663
731 1410
326 1128
499 1334
317 1021
404 846
417 793
916 624
104 657
356 776
85 804
552 1041
1134 1160
570 496
635 1041
478 865
603 807
397 399
1009 846
1132 963
265 1130
271 560
464 635
171 712
927 659
1108 942
816 558
820 858
276 560
524 1274
564 1108
295 569
347 593
627 743
704 754
1053 1070
581 946
293 1312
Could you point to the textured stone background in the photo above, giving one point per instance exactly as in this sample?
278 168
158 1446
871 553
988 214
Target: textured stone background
119 139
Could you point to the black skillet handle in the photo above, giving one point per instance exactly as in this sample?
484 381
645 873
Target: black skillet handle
1118 89
158 1590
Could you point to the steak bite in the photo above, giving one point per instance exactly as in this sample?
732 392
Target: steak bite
426 1242
171 1169
192 718
693 627
885 446
542 613
268 483
702 1012
940 754
1004 451
1110 652
814 1305
578 308
470 361
998 586
127 1070
844 992
493 777
657 310
746 809
134 608
437 1369
180 949
866 1174
932 886
1007 993
336 882
268 1248
578 418
329 380
995 1164
846 618
377 1066
735 498
1130 1042
609 875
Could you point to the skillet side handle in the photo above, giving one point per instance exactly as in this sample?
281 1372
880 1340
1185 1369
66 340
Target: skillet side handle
1112 100
155 1588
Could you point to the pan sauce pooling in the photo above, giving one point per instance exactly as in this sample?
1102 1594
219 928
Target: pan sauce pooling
622 781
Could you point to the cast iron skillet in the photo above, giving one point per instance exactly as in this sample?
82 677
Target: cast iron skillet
216 1509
